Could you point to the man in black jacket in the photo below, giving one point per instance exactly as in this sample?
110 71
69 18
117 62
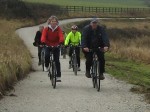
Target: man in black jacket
94 36
38 43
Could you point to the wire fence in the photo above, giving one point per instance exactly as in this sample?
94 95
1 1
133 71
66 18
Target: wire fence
103 9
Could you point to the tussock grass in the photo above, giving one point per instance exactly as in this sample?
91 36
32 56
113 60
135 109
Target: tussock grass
130 39
15 59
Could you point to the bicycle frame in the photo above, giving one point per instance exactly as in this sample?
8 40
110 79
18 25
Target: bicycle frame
95 71
95 60
52 68
74 64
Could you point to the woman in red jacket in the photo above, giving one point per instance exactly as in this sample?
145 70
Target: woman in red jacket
52 36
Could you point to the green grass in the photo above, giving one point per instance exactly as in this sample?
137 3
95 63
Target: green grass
95 3
133 72
130 71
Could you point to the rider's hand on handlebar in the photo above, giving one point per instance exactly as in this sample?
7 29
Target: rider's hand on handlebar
86 49
40 45
105 49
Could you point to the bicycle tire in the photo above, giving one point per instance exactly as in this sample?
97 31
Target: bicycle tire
92 74
54 71
42 59
97 76
75 66
50 71
71 62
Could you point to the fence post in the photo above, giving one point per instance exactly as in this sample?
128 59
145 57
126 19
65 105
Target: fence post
82 8
121 10
74 9
96 9
67 9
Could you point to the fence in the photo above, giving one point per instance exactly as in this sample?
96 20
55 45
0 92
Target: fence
103 9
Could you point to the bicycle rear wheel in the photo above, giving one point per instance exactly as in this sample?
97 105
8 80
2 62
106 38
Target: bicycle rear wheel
54 72
75 66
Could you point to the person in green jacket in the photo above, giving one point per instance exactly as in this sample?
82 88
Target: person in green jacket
74 39
63 49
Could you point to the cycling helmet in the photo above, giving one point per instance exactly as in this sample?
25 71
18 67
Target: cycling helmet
74 27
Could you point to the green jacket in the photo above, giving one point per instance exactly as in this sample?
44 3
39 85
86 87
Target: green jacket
73 38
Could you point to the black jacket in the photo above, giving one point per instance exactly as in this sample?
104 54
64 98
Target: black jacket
37 38
94 38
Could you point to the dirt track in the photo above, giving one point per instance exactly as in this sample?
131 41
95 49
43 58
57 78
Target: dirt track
73 94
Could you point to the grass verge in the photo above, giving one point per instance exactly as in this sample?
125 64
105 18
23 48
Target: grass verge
133 72
15 59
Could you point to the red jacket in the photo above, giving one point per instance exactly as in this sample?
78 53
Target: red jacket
52 38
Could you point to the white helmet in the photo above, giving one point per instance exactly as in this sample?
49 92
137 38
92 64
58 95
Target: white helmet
74 27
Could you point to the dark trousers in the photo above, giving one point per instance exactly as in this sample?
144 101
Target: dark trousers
77 50
56 59
89 58
39 53
63 50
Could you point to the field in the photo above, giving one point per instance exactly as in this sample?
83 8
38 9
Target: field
96 3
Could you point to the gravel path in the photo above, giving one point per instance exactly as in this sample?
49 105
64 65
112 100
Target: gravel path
73 94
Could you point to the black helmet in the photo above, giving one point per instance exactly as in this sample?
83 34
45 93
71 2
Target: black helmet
74 27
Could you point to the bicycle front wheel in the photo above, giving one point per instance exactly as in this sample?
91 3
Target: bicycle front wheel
93 75
97 76
54 72
75 65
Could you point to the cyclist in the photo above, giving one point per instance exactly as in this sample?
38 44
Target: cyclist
74 39
38 43
53 36
94 36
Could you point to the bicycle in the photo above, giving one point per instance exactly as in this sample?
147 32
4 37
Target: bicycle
52 72
95 71
73 61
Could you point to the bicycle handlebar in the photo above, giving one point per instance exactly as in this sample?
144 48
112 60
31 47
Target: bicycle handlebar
95 49
52 46
73 46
